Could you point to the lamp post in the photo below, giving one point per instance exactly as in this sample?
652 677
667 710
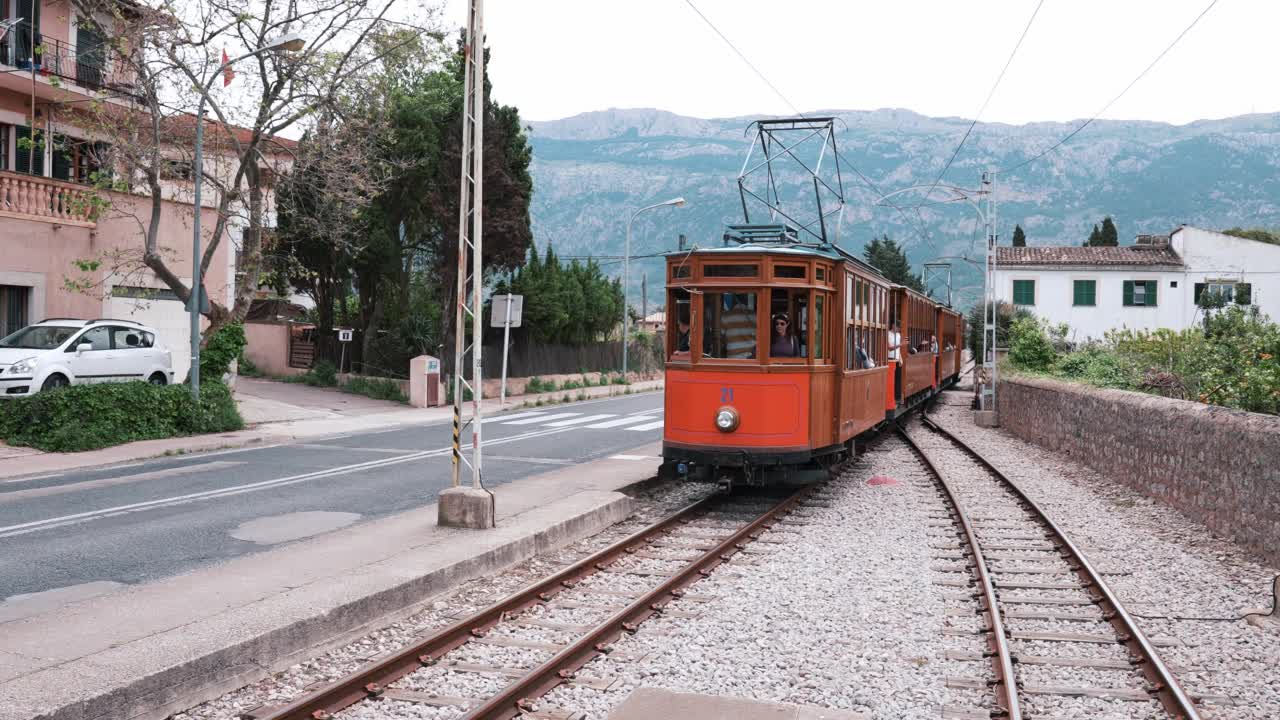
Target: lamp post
626 276
287 43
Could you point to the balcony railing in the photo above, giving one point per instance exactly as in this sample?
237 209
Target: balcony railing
87 66
46 200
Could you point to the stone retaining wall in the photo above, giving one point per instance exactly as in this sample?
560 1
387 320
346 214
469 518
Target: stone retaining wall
1220 467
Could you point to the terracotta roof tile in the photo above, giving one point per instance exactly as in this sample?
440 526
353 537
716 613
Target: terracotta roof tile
1071 255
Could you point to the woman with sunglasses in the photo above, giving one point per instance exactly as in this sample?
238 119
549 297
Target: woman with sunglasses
784 344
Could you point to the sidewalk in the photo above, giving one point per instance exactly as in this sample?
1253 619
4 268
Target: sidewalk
146 651
280 413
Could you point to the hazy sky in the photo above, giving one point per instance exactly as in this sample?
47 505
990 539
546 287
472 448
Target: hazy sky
556 58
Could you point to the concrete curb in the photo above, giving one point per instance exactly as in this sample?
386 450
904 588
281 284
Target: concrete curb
319 616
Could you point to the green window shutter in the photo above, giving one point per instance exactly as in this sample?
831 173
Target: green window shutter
1152 285
1197 293
1084 292
22 156
1024 292
1128 293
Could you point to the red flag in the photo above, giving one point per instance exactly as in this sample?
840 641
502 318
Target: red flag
227 73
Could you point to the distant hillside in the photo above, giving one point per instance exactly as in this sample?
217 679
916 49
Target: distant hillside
591 170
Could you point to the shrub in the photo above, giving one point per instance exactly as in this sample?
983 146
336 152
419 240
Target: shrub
323 374
1029 345
246 367
376 388
87 417
223 346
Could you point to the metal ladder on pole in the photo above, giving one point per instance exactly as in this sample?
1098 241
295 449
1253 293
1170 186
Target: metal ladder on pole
470 277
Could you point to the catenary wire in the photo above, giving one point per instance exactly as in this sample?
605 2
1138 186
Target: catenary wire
840 156
985 103
1113 100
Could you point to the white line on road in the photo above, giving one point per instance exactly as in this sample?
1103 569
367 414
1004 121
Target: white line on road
19 495
23 528
630 419
517 416
30 478
633 457
531 421
648 426
579 421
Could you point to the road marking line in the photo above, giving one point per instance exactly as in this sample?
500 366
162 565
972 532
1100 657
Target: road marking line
317 446
29 479
633 457
531 421
35 525
518 416
630 419
11 496
577 421
648 426
534 460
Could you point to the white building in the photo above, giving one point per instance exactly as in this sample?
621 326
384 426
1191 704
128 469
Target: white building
1155 283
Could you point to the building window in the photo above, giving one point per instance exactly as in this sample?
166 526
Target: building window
76 160
1024 292
1227 291
1140 293
25 150
4 147
1084 293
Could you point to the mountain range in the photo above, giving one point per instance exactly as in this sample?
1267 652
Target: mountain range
591 171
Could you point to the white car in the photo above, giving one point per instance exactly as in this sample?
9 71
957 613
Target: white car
59 352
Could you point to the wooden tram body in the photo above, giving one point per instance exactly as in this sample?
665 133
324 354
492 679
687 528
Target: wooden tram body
763 406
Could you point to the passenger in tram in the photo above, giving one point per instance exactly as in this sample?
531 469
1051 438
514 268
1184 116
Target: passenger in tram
682 339
895 340
783 343
739 327
933 344
864 362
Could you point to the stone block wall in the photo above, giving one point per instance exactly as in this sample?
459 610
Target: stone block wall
1219 467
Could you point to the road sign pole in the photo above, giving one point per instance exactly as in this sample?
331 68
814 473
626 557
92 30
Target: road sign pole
506 346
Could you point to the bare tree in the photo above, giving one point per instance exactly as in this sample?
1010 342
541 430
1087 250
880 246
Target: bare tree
165 57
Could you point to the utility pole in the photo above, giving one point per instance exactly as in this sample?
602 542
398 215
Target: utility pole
990 312
644 296
471 507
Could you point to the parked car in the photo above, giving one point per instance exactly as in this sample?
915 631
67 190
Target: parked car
58 352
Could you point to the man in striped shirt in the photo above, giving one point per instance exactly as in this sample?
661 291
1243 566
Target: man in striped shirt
739 328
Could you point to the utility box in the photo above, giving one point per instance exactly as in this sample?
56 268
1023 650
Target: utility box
424 382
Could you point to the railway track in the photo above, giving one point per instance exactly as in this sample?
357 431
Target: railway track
1023 568
621 586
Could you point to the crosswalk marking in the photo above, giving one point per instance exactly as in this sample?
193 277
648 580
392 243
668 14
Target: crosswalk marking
621 421
575 421
519 416
647 426
541 418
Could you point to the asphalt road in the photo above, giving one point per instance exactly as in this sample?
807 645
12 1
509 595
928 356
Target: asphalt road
144 521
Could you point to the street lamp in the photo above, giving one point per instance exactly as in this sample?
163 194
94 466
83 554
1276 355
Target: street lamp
285 43
626 276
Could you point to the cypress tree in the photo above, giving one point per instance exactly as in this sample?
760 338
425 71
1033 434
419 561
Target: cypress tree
1110 237
1095 237
1019 237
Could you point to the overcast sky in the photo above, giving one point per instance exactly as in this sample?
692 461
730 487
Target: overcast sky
556 58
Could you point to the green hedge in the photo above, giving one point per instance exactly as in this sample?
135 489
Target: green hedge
87 417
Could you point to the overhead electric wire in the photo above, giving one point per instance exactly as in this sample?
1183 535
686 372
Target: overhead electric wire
840 156
1113 100
985 103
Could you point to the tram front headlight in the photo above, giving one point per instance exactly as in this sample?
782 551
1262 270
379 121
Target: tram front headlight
726 419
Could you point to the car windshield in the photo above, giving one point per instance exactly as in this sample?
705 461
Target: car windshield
39 337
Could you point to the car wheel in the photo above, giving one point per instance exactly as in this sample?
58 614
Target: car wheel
55 381
158 378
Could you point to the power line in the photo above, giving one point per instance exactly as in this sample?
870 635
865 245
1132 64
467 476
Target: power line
839 156
986 102
1113 101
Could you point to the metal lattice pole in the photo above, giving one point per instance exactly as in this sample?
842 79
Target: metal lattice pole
470 277
990 312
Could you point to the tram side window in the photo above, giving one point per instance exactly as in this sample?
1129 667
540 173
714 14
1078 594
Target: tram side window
678 321
788 323
729 325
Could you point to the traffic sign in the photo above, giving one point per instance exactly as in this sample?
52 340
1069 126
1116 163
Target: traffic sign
345 334
502 304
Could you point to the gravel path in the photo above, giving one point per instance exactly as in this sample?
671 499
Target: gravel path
1170 566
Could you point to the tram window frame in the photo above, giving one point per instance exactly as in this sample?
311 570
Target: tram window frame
791 269
865 324
797 319
730 271
682 271
708 299
676 298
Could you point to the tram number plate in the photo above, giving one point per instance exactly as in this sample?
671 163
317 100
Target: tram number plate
726 394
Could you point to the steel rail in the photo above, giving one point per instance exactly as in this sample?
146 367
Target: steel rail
371 680
1164 685
519 696
997 637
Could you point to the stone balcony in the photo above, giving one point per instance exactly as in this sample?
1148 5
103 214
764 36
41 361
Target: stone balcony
43 199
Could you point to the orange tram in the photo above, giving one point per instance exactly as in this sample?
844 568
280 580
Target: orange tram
782 356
